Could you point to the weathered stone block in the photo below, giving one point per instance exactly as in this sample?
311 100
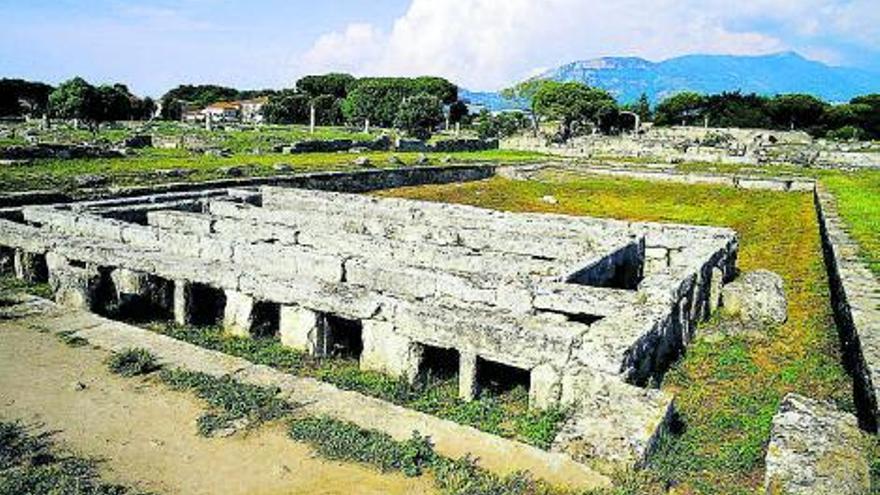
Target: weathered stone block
303 329
388 352
815 450
756 297
468 388
238 314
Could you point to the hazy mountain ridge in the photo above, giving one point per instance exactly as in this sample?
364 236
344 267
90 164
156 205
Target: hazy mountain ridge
628 77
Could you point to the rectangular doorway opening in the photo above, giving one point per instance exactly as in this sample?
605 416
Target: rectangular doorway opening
344 337
267 319
438 364
498 378
206 305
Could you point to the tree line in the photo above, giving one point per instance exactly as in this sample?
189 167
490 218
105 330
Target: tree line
417 105
421 104
578 108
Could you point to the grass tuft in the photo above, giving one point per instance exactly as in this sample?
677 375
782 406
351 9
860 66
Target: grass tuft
30 464
234 405
133 362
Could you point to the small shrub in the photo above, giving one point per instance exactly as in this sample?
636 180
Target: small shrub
340 440
72 340
233 404
133 362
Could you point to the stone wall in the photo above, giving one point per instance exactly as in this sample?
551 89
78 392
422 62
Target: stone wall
345 181
583 316
738 181
856 303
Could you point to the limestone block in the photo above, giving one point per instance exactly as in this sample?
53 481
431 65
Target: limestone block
616 422
182 302
756 297
388 352
815 449
303 329
75 287
545 386
468 388
238 314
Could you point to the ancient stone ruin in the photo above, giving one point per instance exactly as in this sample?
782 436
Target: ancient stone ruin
580 311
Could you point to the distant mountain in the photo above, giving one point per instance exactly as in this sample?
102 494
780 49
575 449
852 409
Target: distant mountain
628 77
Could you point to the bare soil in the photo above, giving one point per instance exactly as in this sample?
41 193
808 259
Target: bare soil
146 433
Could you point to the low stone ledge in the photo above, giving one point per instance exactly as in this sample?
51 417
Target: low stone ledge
451 439
815 450
855 299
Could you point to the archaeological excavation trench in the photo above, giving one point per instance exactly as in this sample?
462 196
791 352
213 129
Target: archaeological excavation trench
582 312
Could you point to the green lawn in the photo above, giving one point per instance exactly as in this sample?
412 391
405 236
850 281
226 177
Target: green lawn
727 388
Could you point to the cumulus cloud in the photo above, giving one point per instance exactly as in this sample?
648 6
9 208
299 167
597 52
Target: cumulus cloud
489 43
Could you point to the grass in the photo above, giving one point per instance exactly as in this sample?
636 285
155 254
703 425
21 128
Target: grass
727 390
234 405
30 464
10 285
858 202
133 362
141 168
339 440
506 415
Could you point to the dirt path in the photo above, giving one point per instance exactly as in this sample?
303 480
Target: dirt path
146 433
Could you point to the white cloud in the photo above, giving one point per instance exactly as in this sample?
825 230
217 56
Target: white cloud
489 43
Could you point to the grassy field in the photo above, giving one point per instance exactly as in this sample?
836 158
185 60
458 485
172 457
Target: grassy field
727 387
146 166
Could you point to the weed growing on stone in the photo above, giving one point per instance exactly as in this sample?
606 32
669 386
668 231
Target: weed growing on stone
234 405
133 362
30 464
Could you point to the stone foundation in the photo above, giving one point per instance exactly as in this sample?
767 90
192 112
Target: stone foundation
584 320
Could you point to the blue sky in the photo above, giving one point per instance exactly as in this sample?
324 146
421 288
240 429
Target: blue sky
154 45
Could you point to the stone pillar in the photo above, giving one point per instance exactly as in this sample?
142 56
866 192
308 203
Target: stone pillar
30 267
467 376
75 287
545 386
312 118
388 352
238 315
303 329
182 302
715 285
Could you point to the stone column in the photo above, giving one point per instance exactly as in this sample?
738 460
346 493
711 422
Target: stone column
388 352
30 267
238 315
75 287
303 329
182 302
467 376
545 386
